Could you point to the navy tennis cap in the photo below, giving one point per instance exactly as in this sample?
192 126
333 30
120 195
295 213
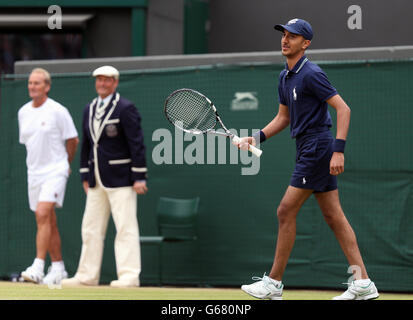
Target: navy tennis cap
297 26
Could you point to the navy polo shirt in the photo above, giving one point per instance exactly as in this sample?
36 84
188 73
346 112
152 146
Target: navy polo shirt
304 90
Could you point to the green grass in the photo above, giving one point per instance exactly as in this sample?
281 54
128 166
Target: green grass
28 291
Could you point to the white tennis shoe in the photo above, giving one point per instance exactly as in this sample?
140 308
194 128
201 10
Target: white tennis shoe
264 288
358 292
55 276
31 274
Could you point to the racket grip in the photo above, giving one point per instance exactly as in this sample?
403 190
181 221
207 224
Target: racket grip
257 152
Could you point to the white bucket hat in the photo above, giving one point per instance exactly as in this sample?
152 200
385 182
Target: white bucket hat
107 71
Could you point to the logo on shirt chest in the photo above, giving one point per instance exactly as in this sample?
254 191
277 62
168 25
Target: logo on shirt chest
111 130
294 94
44 125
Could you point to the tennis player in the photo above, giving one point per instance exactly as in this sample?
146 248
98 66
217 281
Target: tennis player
304 95
49 134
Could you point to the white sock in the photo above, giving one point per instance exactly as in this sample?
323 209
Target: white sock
38 264
276 282
58 265
362 282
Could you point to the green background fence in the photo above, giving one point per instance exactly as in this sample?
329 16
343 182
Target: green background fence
237 223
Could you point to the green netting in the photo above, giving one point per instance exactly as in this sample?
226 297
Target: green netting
237 224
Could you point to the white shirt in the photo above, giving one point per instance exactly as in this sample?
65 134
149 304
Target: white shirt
44 131
100 111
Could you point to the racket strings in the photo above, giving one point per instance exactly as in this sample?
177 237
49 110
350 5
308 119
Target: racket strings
191 111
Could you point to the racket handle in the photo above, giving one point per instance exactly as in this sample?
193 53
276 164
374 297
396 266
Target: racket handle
257 152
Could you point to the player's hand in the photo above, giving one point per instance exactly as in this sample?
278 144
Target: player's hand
337 163
140 187
243 143
85 186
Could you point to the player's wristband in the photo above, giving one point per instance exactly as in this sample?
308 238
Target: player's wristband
339 145
259 136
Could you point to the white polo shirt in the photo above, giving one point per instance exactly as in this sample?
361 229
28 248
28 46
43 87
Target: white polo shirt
44 131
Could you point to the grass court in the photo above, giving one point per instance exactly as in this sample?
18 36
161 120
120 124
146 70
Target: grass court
28 291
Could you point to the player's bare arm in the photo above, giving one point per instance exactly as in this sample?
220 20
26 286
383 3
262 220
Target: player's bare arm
85 185
343 122
279 123
71 147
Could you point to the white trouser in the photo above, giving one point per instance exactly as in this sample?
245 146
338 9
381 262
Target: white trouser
122 202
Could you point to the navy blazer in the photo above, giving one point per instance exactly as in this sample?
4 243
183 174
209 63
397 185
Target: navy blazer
117 148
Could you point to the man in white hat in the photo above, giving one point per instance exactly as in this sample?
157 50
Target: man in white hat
113 171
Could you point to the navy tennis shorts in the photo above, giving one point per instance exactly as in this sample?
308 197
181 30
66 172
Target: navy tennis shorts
312 168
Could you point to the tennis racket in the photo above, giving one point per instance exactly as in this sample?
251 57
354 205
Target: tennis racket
192 112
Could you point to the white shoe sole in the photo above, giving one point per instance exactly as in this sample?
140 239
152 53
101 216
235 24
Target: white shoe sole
262 297
52 282
71 282
372 296
369 297
29 279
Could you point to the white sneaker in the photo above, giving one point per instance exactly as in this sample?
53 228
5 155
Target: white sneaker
55 276
70 282
358 292
32 275
123 284
264 288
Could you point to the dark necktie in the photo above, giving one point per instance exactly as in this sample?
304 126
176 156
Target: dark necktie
100 111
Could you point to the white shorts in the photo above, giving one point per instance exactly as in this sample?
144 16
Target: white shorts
49 188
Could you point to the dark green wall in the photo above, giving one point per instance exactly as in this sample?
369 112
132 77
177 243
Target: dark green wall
196 19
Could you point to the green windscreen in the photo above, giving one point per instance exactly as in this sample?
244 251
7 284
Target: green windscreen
239 194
